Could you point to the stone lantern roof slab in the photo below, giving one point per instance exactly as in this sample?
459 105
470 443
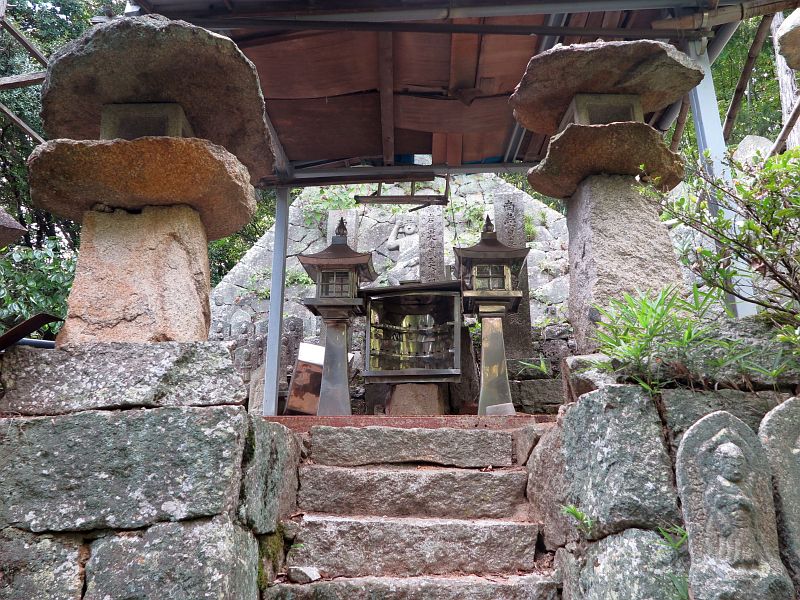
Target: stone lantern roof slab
152 59
70 177
657 72
10 230
581 151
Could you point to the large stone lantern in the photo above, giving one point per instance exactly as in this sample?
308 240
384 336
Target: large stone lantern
337 270
159 114
488 272
592 98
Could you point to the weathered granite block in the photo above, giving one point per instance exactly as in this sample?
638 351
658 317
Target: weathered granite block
120 470
726 494
537 396
632 565
610 223
269 479
683 408
547 490
617 467
582 374
40 567
780 436
352 446
140 277
195 560
118 375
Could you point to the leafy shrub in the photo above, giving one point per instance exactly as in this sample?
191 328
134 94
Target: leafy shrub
750 248
34 280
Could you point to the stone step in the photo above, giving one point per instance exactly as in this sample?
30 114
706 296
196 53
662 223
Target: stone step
409 491
353 446
406 546
470 587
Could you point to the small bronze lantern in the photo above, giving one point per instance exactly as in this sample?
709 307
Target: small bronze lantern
488 272
337 270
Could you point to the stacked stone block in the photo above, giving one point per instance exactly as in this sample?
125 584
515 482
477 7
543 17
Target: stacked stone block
132 470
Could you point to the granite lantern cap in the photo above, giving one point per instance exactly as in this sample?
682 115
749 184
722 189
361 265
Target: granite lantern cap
70 177
655 71
487 269
788 40
152 59
581 151
10 230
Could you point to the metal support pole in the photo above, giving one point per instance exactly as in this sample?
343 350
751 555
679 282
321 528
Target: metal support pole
272 358
708 128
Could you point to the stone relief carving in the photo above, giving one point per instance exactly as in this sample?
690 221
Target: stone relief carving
404 239
780 436
724 484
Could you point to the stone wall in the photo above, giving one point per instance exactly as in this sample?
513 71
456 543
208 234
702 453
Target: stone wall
640 470
134 471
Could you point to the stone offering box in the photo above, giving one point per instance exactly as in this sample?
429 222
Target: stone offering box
163 178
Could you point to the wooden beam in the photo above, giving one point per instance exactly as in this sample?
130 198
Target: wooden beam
386 90
455 149
747 73
680 125
725 14
283 168
439 149
17 81
20 37
780 141
21 124
432 199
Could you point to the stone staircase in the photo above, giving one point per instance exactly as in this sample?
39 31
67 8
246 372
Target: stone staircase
393 513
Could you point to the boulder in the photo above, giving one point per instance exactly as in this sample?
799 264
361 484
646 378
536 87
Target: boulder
632 565
583 374
140 278
537 396
40 567
625 148
604 262
788 40
158 60
780 436
724 481
682 408
269 478
118 375
180 561
547 490
128 469
617 468
752 150
69 178
657 72
10 230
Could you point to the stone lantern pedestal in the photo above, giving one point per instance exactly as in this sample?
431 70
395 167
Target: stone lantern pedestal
592 98
149 199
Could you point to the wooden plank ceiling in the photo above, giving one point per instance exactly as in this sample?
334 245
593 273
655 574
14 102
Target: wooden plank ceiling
342 97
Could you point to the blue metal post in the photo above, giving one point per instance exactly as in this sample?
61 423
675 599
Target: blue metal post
272 358
708 128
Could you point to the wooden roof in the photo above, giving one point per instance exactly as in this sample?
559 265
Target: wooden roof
357 85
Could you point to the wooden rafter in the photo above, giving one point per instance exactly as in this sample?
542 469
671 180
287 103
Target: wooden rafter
747 72
25 42
680 125
386 91
17 81
23 80
21 124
